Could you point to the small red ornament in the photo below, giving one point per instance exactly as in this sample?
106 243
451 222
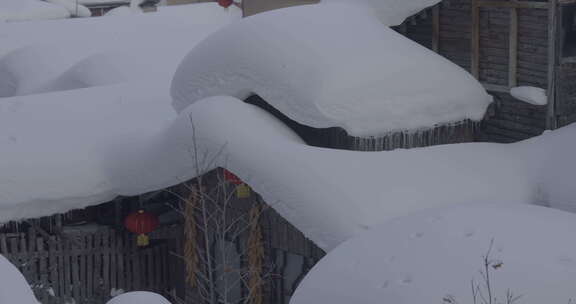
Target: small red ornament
232 178
225 3
141 223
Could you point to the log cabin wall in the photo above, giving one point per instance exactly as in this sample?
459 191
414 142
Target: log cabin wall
504 44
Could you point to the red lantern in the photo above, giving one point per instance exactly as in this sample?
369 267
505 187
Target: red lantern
141 223
225 3
232 178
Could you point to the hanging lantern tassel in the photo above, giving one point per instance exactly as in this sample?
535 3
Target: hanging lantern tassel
142 240
243 191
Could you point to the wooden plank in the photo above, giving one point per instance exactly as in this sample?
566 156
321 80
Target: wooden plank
113 260
514 4
475 40
436 28
97 273
3 245
82 261
121 283
42 269
513 49
53 265
75 275
89 266
106 261
66 268
150 269
496 88
551 122
25 257
158 267
135 257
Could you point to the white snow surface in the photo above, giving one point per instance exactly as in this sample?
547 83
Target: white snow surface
13 285
139 297
531 95
391 12
42 57
323 72
425 257
76 9
124 11
100 2
22 10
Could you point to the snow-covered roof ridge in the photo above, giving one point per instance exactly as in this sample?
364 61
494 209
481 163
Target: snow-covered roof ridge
391 12
323 72
22 10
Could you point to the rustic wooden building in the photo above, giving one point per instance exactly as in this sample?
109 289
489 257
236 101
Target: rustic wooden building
507 44
87 256
504 44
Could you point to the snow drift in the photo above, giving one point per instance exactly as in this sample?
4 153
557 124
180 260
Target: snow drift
390 12
434 255
72 149
21 10
13 285
140 297
323 72
81 53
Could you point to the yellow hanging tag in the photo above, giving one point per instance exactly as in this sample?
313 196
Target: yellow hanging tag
243 191
142 240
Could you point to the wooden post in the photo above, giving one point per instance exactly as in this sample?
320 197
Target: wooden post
436 28
475 40
513 49
551 122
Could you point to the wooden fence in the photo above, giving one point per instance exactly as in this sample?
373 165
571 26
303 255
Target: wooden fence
86 268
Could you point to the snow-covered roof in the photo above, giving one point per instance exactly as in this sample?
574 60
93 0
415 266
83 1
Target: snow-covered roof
102 2
390 12
21 10
324 72
87 52
71 149
438 254
68 149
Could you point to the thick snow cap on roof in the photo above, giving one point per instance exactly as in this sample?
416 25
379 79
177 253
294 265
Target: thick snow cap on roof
331 65
435 255
390 12
20 10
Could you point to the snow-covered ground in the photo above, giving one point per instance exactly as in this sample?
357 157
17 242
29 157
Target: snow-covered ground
433 256
139 297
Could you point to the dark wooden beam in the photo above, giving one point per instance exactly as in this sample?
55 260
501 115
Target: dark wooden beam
513 49
475 40
496 88
551 122
513 4
436 28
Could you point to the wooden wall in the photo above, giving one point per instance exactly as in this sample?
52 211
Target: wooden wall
87 268
511 50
